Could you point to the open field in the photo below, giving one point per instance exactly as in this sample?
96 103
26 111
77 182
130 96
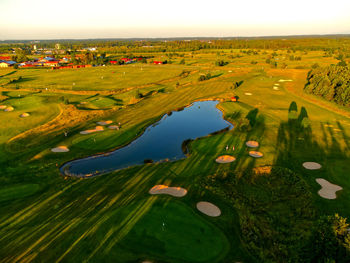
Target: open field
46 217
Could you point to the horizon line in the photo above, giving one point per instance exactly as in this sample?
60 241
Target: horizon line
181 38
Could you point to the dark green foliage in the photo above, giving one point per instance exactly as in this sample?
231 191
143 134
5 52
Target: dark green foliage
331 83
329 241
342 63
204 77
138 94
221 63
237 84
294 58
182 62
274 208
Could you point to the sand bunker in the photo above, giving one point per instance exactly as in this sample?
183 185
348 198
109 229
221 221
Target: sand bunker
255 154
97 129
312 165
328 190
225 159
60 149
262 170
104 122
113 127
252 144
208 209
276 88
248 94
2 107
284 80
9 108
23 115
276 84
164 189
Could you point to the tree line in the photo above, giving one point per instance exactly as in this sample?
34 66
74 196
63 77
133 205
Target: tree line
331 83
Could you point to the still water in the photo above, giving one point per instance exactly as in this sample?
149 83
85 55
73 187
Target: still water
160 141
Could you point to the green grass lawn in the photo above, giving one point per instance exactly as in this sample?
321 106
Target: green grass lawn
45 217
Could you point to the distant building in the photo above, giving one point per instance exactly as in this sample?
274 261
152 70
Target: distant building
157 62
7 63
235 98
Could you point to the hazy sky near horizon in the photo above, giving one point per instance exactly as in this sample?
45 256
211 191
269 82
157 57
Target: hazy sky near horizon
47 19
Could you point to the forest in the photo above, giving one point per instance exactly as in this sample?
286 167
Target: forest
331 83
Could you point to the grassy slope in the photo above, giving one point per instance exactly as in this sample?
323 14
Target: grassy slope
69 218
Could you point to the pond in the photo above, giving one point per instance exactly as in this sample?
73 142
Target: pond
161 141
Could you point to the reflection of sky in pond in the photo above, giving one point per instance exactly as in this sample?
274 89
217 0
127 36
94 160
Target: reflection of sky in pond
160 141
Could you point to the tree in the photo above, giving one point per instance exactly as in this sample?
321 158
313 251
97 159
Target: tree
237 84
329 241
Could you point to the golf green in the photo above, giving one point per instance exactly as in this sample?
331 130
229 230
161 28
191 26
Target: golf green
172 230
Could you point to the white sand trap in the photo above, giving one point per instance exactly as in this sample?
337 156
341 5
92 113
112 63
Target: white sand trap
252 144
104 122
328 190
256 154
312 165
164 189
225 159
276 88
97 129
208 208
113 127
276 84
9 108
2 107
285 80
24 115
60 149
248 94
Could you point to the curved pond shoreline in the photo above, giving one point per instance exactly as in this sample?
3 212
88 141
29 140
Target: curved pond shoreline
160 141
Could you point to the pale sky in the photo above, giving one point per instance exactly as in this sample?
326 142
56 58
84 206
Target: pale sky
47 19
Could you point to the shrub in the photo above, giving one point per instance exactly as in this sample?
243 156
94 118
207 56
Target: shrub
221 63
